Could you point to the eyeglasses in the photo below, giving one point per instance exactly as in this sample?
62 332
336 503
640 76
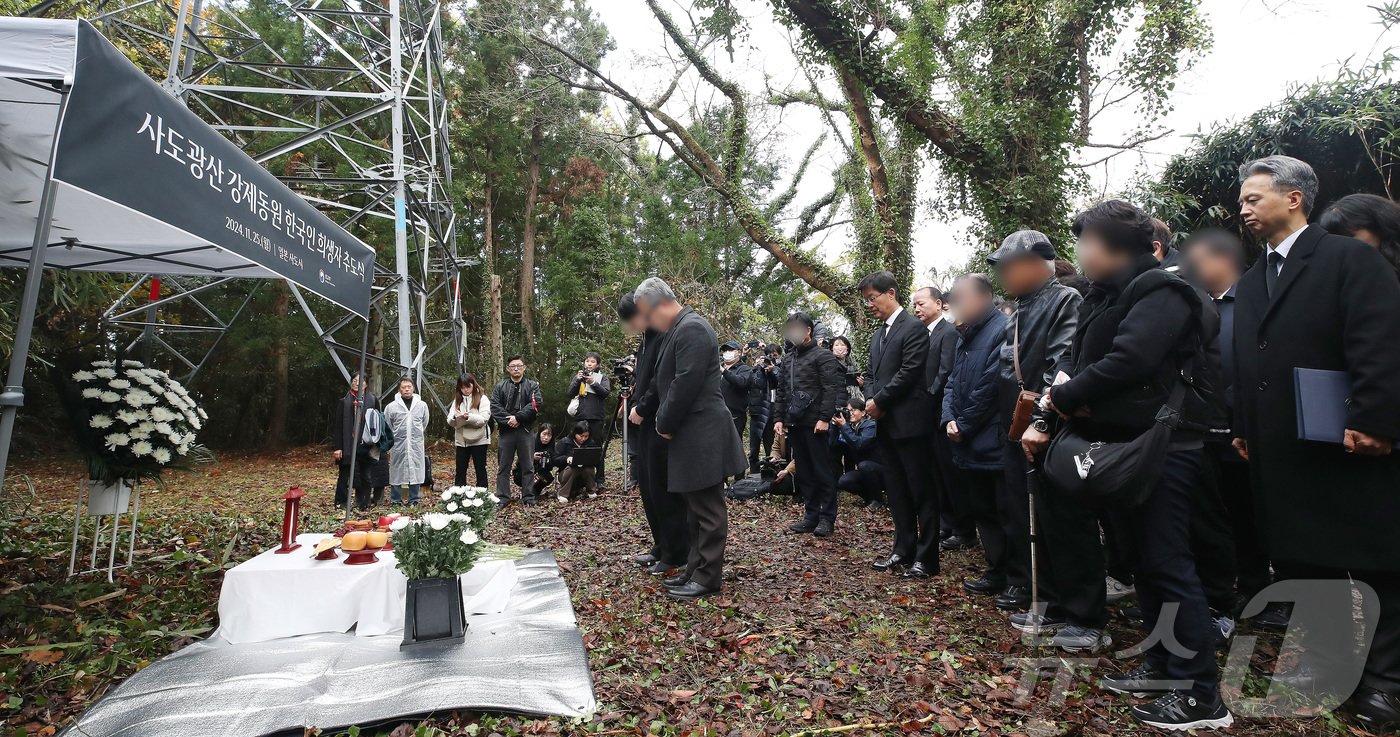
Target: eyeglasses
516 367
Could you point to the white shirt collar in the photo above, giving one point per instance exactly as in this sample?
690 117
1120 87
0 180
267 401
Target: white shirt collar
1287 244
889 321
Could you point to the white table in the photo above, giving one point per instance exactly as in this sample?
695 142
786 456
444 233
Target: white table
273 596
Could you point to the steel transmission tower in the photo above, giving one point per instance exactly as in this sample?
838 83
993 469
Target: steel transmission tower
351 113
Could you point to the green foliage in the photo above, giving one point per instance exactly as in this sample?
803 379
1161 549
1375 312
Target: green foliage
1346 129
1003 90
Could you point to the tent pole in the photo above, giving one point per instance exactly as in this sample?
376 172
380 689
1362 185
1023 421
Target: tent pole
359 420
12 397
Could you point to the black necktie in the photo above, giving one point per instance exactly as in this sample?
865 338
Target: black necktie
1271 273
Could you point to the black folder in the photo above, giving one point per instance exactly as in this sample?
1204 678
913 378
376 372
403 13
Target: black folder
1322 397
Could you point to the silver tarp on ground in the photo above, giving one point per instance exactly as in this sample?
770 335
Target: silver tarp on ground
528 659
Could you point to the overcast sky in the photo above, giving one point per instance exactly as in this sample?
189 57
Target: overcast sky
1262 49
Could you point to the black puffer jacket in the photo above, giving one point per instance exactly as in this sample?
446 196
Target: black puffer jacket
758 391
813 380
1135 334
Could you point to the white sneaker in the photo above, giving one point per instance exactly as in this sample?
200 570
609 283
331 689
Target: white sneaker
1117 590
562 499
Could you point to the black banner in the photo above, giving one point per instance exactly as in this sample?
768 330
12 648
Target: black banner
127 140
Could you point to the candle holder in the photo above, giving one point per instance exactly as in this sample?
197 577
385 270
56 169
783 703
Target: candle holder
291 519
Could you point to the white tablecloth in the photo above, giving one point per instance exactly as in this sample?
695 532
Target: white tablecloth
273 596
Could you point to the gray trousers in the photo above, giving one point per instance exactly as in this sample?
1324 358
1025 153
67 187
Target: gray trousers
515 445
708 518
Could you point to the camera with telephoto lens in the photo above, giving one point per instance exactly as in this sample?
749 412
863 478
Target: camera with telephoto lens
623 367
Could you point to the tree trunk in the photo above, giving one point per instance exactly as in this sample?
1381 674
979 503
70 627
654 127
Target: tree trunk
497 350
527 262
497 357
281 369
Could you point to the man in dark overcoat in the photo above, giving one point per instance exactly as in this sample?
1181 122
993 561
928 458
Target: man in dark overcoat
343 441
1327 510
702 446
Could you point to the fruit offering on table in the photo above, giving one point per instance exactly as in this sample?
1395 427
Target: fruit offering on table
376 538
355 540
353 526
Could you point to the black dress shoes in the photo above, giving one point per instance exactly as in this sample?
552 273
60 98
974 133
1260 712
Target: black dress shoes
919 570
804 526
890 563
1013 599
660 567
824 529
644 560
691 590
983 585
1377 710
676 581
957 542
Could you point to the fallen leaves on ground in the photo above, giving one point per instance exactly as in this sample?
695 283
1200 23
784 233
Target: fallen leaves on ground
806 638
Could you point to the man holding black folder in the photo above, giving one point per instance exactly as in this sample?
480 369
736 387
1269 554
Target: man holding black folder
1328 510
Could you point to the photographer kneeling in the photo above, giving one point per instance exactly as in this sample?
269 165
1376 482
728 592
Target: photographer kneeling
574 475
855 434
811 390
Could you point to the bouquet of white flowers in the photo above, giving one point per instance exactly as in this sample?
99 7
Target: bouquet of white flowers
132 422
446 543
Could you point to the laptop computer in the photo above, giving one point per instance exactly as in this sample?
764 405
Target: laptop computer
588 456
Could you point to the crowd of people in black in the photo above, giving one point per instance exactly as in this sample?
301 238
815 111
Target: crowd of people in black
1127 426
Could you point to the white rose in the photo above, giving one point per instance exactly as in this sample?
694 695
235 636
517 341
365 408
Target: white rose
142 448
100 421
117 439
478 502
495 499
92 393
452 506
84 376
436 521
446 494
468 537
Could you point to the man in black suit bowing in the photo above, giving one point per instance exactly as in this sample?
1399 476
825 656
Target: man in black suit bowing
900 402
1329 510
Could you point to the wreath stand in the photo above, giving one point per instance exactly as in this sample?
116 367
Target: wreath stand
116 502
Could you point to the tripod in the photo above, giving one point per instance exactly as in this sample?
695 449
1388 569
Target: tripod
624 397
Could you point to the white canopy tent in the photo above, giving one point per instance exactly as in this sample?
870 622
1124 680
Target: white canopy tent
102 170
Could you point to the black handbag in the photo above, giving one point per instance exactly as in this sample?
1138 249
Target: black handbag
1114 474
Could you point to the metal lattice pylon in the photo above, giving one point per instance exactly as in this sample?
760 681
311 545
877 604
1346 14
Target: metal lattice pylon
352 116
